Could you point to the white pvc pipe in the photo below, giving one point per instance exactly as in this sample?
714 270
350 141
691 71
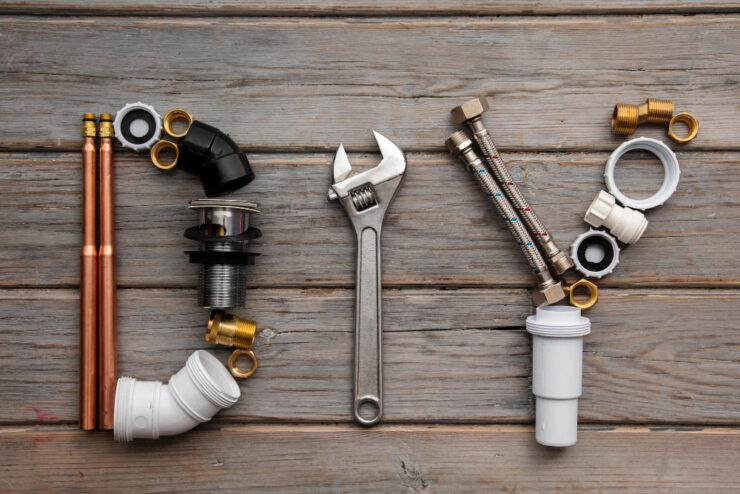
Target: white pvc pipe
150 409
557 358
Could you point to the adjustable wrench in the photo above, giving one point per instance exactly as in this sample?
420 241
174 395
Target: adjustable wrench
366 197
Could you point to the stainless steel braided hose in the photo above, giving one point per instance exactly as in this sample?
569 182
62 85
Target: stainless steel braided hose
558 259
549 291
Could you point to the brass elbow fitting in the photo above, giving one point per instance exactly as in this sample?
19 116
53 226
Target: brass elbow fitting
626 117
230 330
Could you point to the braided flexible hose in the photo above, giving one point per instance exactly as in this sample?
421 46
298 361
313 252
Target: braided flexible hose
494 193
560 262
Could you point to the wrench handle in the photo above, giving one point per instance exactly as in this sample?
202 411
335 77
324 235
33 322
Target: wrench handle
368 402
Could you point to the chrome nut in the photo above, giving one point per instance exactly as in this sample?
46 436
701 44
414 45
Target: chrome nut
548 295
560 263
470 109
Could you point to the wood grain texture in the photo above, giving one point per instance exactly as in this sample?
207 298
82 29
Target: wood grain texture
441 230
362 7
298 459
654 356
292 83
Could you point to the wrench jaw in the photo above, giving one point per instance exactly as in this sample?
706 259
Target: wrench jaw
392 165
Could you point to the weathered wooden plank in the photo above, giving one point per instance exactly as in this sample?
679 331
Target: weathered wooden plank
654 356
362 7
294 83
290 458
439 231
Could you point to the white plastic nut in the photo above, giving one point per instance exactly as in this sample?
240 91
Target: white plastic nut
595 253
150 409
626 224
671 172
137 126
557 367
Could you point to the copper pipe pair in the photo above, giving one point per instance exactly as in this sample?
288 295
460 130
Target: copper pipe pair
98 308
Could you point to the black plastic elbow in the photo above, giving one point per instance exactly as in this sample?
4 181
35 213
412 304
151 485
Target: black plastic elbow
216 158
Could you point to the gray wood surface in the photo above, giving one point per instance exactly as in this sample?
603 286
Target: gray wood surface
363 7
290 81
386 459
312 83
441 230
460 356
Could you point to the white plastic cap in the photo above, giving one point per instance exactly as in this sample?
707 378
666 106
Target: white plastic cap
557 359
626 224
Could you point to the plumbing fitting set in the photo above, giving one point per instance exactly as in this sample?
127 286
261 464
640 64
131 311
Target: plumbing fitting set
557 331
204 386
141 409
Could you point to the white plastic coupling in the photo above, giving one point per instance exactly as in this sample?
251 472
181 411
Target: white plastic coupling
557 362
626 224
150 409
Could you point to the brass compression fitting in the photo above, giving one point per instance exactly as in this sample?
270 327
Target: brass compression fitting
627 117
230 330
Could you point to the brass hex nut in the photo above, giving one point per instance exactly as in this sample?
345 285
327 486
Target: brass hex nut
548 295
469 109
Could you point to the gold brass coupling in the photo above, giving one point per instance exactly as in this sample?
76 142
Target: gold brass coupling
169 118
626 118
230 330
590 287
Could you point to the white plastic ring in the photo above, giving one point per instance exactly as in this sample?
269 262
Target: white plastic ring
137 126
670 169
595 253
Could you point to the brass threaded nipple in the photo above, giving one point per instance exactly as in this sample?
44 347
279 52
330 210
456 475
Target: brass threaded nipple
626 117
230 330
106 125
89 126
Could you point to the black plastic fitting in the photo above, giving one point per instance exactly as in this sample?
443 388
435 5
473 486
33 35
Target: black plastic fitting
216 158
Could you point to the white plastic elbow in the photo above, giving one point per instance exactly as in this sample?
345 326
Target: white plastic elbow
626 224
557 365
150 409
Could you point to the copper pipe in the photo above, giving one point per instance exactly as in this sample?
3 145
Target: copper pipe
107 279
88 282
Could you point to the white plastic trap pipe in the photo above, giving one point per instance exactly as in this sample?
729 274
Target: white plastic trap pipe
150 409
557 358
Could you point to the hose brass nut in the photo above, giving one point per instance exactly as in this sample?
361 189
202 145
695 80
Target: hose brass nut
593 294
470 109
626 117
691 122
548 295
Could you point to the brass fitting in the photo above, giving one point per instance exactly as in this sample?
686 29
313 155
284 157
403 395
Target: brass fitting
626 117
230 330
691 122
106 125
593 294
177 114
89 126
